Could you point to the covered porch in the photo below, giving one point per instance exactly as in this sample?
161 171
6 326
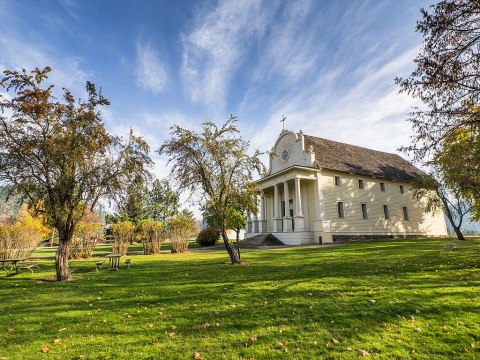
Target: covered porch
286 209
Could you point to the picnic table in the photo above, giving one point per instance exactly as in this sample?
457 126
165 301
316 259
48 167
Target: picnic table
14 264
114 261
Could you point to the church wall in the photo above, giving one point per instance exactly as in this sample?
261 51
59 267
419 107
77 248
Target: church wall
352 197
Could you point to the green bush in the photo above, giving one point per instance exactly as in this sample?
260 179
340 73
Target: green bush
208 236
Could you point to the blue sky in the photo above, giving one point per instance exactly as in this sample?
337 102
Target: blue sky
326 65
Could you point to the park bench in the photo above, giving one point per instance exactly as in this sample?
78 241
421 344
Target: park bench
99 264
127 262
31 266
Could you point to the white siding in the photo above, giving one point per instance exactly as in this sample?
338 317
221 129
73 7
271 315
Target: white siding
353 197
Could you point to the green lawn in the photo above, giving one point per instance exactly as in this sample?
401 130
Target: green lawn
394 299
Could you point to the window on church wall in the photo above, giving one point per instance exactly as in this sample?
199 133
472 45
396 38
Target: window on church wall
382 186
337 180
364 211
340 210
402 189
405 214
386 212
361 184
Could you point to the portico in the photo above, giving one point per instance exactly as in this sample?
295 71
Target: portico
283 206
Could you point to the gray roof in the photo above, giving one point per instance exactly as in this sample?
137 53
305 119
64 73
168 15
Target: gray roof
358 160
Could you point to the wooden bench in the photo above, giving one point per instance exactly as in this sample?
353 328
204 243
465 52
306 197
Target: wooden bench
99 264
31 266
127 262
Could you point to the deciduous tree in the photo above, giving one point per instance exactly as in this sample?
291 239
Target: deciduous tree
215 164
436 196
447 75
57 152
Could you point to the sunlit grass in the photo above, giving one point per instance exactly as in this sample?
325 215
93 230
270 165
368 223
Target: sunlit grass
394 299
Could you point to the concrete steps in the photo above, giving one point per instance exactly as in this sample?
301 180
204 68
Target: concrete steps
262 240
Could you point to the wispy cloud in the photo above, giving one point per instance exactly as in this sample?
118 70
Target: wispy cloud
215 48
371 113
150 71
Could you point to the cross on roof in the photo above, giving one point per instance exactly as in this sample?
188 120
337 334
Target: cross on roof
283 121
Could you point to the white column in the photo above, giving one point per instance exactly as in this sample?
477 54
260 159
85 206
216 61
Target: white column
261 214
286 199
298 198
276 201
287 220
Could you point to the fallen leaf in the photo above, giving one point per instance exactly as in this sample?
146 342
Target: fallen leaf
418 329
45 349
253 337
363 353
150 325
62 329
349 349
171 334
57 341
10 330
372 301
417 311
335 341
129 316
205 326
197 356
310 294
174 327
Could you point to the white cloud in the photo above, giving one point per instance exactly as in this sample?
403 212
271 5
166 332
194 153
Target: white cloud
215 47
149 69
370 114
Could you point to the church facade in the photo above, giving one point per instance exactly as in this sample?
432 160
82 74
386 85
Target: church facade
320 191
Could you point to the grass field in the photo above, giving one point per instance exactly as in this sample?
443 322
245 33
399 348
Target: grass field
392 299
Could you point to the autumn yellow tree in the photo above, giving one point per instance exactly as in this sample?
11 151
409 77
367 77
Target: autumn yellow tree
57 152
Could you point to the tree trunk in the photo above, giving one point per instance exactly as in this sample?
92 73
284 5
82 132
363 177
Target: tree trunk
448 212
231 250
238 235
458 232
61 257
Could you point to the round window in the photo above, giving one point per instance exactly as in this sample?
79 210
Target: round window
285 155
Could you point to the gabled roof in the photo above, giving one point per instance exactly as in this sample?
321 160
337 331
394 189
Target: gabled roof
358 160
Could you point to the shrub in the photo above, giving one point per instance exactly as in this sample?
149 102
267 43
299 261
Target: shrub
180 229
208 236
152 235
123 232
84 240
22 237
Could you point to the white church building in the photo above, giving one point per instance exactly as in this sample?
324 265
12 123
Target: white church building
321 191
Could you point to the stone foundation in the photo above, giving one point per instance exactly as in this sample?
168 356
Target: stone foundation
345 238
